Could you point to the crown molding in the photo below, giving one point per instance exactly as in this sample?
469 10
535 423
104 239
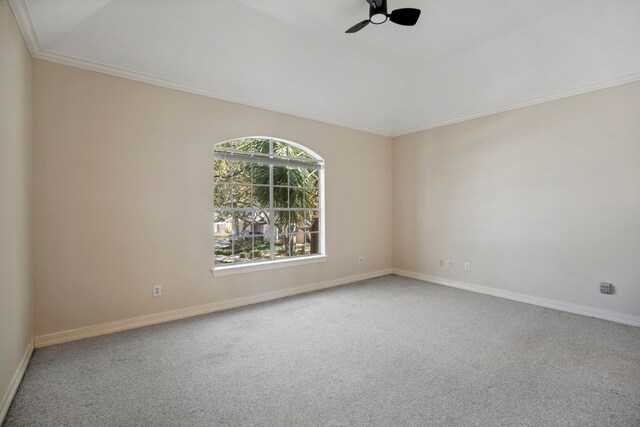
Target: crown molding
535 101
170 84
25 22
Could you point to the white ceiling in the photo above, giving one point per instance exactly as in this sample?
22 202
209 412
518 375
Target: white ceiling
464 58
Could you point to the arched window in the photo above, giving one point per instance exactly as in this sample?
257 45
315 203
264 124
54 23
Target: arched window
267 202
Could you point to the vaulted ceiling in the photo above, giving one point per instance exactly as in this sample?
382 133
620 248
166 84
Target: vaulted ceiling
464 58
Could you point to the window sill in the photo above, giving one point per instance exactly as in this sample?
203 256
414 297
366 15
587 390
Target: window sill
267 265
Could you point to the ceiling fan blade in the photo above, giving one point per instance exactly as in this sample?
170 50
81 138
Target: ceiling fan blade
407 16
358 26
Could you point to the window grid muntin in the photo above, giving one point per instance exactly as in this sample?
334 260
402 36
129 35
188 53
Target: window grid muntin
315 168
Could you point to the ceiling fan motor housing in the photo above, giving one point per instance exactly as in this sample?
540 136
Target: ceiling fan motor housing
378 15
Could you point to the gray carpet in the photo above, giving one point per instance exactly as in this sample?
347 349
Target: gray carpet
387 351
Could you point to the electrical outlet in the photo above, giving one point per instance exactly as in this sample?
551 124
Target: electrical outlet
606 288
361 259
441 263
448 263
467 266
157 290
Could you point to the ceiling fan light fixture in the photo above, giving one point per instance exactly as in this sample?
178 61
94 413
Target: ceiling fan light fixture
378 18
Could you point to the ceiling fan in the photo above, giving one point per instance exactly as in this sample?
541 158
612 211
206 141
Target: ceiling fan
378 15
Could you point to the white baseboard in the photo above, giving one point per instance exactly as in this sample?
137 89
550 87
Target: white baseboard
613 316
152 319
15 382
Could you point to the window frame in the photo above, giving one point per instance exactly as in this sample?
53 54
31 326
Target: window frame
273 263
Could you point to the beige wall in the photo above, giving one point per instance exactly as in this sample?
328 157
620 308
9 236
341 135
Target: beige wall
16 328
123 198
543 201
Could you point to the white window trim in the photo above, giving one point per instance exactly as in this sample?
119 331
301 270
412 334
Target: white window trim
225 270
229 270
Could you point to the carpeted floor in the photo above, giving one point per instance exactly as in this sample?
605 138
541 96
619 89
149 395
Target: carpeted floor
387 351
